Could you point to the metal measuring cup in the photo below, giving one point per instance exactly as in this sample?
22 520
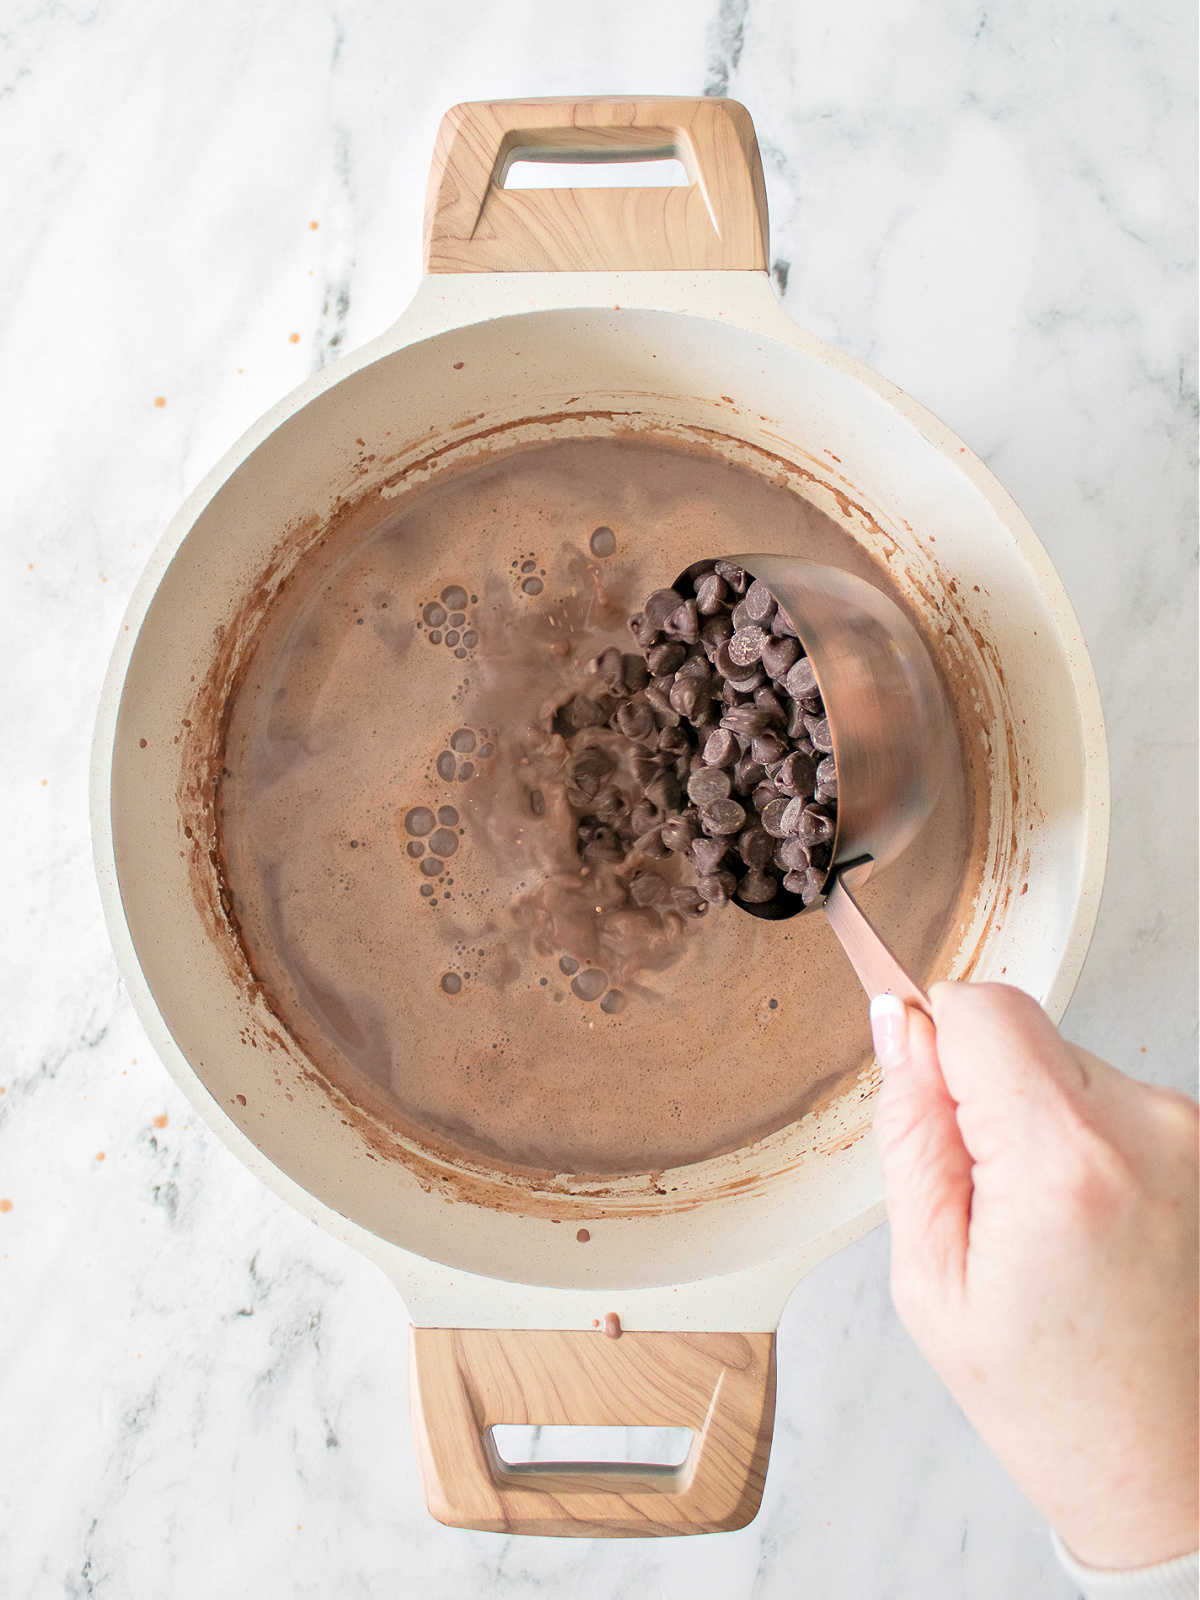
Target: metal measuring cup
892 742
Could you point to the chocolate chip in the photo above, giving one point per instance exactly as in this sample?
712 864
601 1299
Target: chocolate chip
767 700
759 603
794 811
792 856
814 885
768 747
779 657
756 847
651 844
781 626
635 719
659 606
716 887
708 854
721 748
689 901
818 732
772 816
711 590
678 835
608 668
716 632
634 672
757 887
684 623
748 774
814 825
687 695
733 576
663 791
827 778
801 680
745 648
666 659
746 721
674 741
762 795
709 784
722 816
797 774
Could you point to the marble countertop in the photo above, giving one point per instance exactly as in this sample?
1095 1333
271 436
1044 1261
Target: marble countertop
201 1395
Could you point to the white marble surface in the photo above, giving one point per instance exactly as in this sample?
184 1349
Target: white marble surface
200 1394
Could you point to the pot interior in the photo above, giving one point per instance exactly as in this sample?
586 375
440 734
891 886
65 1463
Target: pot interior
511 417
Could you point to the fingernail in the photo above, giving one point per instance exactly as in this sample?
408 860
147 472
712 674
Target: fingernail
889 1029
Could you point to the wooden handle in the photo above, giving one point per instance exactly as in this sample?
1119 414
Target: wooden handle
721 1385
473 224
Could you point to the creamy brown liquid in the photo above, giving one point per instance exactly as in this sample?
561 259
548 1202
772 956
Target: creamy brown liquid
452 1013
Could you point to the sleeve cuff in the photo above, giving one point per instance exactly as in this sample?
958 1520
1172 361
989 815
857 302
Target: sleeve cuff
1170 1580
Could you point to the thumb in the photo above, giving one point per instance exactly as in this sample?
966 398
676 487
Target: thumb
926 1167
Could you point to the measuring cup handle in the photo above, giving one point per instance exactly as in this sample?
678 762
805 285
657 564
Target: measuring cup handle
718 222
878 970
464 1381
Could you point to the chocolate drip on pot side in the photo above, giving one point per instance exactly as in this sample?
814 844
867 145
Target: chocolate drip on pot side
334 740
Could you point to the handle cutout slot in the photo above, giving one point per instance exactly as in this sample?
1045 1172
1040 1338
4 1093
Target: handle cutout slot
521 1445
581 169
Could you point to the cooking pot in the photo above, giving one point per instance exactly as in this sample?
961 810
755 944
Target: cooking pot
546 314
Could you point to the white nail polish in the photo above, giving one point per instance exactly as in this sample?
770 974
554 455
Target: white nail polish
889 1029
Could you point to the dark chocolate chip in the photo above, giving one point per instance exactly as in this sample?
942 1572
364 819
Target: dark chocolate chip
709 784
814 825
759 603
781 626
684 623
801 679
634 672
708 854
745 648
716 887
818 732
689 901
756 847
666 659
733 576
678 835
723 816
797 775
648 889
792 856
768 747
757 887
635 719
721 748
772 818
660 605
711 590
779 656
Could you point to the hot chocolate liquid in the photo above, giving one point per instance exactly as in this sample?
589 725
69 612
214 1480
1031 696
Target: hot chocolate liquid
397 830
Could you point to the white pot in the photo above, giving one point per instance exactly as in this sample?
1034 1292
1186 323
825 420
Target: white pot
722 1249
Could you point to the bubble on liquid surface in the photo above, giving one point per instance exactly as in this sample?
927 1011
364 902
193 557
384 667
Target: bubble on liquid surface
446 765
427 889
470 639
462 741
529 566
436 636
465 771
431 866
590 984
415 848
603 542
533 586
420 821
434 615
451 982
457 620
485 750
447 816
444 842
613 1002
454 598
452 638
567 965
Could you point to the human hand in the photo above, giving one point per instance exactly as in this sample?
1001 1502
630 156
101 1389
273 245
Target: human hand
1043 1209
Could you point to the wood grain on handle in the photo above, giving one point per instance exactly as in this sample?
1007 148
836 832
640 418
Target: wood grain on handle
721 1385
719 222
